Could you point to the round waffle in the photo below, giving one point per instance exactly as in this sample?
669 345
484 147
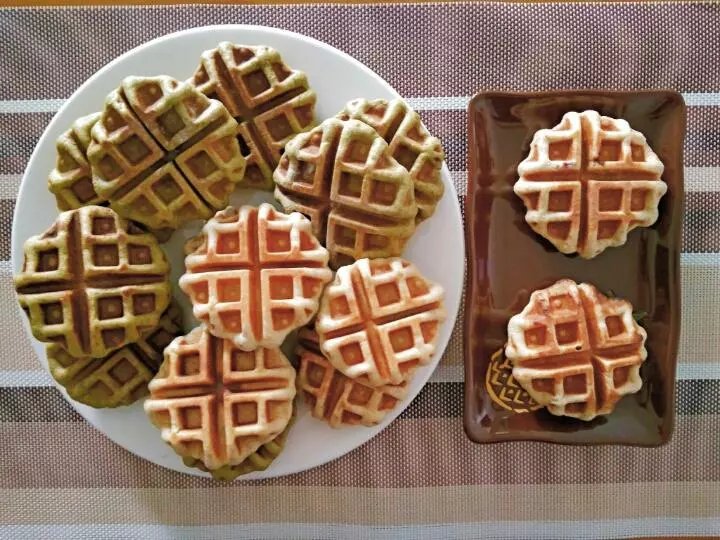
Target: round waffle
575 350
255 274
271 102
337 399
71 179
409 142
588 182
503 389
218 404
380 319
163 154
360 200
92 282
120 378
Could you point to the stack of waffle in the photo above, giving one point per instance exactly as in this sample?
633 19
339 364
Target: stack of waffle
163 153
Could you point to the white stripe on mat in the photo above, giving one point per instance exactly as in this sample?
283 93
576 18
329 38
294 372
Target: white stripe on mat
576 530
432 103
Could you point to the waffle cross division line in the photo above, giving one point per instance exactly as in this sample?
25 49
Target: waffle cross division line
121 377
359 198
336 398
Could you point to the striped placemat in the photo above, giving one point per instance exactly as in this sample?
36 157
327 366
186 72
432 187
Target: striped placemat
421 478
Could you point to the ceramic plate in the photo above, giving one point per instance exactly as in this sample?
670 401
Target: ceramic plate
507 261
436 248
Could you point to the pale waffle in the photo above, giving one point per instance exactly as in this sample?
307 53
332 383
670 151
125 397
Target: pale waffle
271 102
359 198
255 274
218 404
92 282
380 319
259 460
337 399
71 179
163 153
575 350
409 143
120 378
588 182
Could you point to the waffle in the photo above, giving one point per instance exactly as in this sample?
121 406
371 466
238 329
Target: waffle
218 404
164 154
121 378
575 350
271 102
71 179
588 182
360 200
337 399
259 460
379 319
254 275
92 282
409 143
503 389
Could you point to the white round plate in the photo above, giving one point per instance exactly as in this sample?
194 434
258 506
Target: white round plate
437 247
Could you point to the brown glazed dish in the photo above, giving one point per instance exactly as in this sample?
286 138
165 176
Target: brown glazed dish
507 261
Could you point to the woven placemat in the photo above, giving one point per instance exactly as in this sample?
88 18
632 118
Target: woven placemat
421 478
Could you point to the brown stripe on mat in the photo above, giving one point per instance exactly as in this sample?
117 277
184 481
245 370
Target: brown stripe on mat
436 400
595 38
435 452
701 229
7 207
702 142
701 232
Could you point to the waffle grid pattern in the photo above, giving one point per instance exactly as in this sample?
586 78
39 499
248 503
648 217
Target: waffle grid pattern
218 404
71 179
270 102
335 398
588 182
164 154
93 282
379 319
255 275
576 351
360 200
121 377
409 142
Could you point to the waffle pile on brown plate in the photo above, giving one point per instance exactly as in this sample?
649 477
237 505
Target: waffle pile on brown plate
163 153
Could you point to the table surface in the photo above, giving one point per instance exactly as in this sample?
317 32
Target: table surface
421 478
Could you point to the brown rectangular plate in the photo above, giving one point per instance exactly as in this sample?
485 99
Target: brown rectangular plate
507 261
